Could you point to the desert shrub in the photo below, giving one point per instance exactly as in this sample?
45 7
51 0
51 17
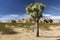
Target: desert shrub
6 30
45 25
23 25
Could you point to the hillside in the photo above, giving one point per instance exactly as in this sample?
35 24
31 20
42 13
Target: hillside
32 21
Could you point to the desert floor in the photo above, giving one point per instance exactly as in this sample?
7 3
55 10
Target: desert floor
24 34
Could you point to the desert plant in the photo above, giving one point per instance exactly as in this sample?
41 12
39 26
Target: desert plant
35 11
6 30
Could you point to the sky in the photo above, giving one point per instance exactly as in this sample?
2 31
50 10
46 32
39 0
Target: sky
15 9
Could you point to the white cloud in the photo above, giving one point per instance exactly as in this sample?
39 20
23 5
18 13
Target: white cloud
12 17
16 17
55 17
47 15
52 16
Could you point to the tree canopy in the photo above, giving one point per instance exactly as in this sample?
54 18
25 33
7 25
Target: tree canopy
32 10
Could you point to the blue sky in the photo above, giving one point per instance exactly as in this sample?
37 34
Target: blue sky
15 9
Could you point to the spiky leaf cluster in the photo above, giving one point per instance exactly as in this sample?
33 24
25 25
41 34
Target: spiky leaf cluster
33 9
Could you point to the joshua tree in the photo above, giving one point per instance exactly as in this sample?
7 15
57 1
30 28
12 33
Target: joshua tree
35 11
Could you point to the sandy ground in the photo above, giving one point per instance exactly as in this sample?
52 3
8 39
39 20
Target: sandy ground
24 34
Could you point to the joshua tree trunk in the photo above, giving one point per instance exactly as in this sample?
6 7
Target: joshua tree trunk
37 30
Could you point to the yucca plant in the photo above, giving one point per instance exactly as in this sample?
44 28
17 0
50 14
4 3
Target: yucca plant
35 11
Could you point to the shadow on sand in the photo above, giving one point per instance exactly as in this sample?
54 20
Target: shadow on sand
50 36
10 33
